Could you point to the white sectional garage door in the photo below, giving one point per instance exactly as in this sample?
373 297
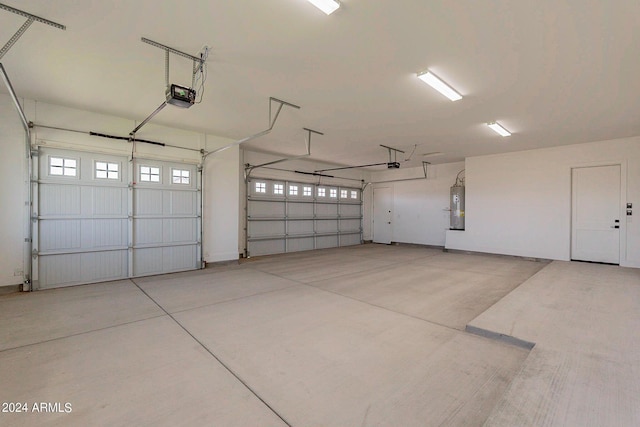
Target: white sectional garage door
284 216
166 218
92 222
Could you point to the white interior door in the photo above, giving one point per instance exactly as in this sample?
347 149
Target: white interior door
382 215
595 230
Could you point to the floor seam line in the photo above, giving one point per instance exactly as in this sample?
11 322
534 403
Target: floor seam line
236 376
236 299
385 308
83 333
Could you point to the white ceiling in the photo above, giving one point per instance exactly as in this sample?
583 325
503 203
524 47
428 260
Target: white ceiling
553 72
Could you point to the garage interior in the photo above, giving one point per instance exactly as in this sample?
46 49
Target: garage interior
241 213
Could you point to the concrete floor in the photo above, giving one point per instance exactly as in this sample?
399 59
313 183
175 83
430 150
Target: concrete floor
372 335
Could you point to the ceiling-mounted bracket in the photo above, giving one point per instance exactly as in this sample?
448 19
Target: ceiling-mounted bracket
272 122
30 20
197 61
249 168
393 157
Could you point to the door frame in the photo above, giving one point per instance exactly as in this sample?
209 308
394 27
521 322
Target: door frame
622 208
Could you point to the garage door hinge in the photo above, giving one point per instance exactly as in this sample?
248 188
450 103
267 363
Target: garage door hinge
34 253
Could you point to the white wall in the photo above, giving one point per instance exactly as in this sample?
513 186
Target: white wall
12 193
221 171
348 178
520 203
419 206
221 201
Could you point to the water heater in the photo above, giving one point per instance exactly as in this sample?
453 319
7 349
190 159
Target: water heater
457 207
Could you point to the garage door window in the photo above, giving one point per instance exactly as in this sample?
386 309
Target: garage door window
106 170
60 166
278 189
261 187
149 174
293 190
321 192
180 176
306 191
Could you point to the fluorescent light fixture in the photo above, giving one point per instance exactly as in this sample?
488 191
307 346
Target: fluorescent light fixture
429 78
497 127
327 6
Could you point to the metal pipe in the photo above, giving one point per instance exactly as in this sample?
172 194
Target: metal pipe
14 98
144 122
351 167
166 69
424 168
26 278
250 169
272 122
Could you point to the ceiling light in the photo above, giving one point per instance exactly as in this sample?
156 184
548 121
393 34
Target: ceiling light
499 129
327 6
433 81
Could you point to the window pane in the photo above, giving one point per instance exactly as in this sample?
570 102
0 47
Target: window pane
112 175
55 161
56 170
155 178
101 174
101 166
144 169
70 163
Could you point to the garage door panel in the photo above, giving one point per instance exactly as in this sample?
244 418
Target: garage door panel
267 247
88 215
57 235
301 227
300 244
292 216
148 201
327 226
109 201
266 228
182 203
327 209
350 210
105 233
71 269
59 200
148 231
147 261
181 230
323 242
350 239
180 257
263 209
298 210
349 225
